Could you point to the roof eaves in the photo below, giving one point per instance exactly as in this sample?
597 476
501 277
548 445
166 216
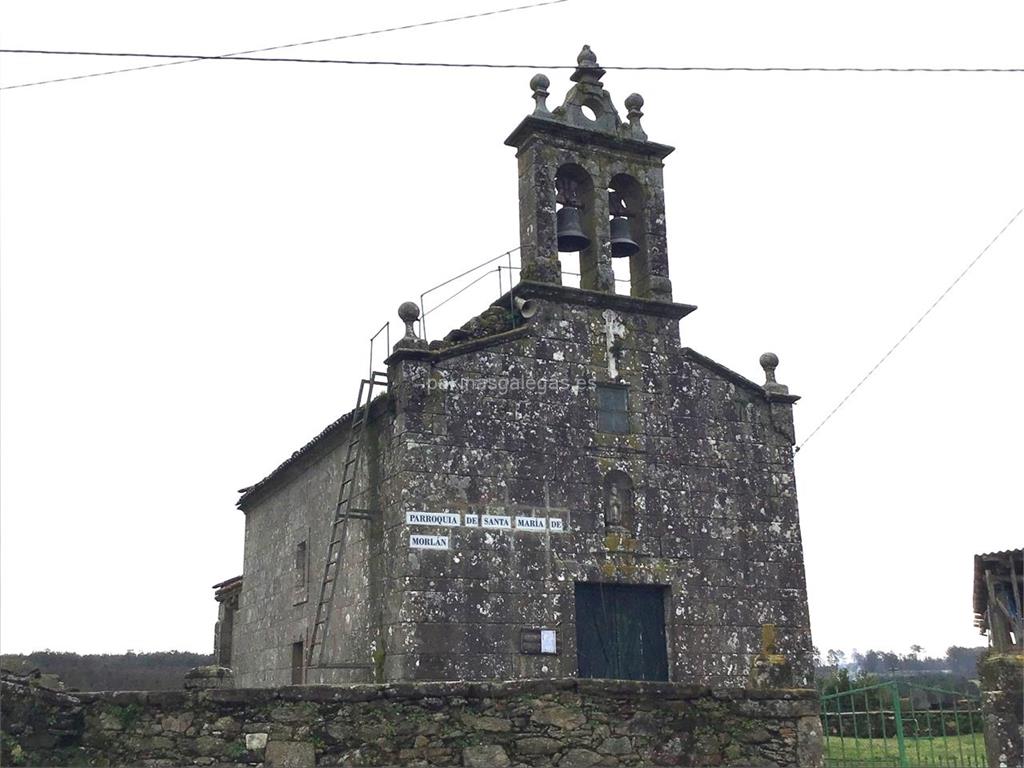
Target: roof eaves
736 378
332 430
228 582
981 588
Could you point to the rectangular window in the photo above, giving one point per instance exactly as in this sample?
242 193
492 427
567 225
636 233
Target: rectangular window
612 408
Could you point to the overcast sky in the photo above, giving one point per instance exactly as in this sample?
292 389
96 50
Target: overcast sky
193 259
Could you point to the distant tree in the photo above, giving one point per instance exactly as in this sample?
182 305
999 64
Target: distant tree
837 682
953 672
872 663
835 657
963 661
890 662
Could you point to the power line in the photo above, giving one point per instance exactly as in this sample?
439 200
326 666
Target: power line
480 65
293 45
910 330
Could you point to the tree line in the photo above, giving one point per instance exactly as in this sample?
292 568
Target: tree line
958 661
110 671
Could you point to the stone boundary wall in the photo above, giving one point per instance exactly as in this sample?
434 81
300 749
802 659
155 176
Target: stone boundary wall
565 723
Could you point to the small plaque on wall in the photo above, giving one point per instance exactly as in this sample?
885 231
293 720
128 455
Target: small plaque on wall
527 523
538 641
449 519
418 541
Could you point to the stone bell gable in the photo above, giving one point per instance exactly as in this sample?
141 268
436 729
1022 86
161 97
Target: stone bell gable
582 156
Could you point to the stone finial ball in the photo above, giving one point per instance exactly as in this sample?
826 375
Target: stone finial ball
539 82
769 360
409 312
634 102
587 57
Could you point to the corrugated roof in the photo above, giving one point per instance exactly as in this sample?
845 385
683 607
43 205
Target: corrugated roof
981 588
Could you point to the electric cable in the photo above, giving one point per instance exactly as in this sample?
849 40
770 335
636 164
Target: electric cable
295 45
481 65
910 330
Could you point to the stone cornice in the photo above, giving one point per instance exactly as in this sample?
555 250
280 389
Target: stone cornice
528 289
455 350
532 125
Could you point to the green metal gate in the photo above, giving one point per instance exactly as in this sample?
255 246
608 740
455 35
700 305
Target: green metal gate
902 725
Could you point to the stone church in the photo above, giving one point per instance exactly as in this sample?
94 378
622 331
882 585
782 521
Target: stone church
558 488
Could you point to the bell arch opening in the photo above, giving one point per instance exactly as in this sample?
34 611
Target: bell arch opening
627 207
576 223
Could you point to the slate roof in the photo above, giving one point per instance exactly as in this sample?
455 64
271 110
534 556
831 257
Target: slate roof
323 440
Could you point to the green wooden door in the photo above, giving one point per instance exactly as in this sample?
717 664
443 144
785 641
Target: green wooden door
620 631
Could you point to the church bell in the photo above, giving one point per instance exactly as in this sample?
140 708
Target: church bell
623 244
570 232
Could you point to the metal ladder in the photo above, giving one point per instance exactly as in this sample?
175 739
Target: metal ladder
342 513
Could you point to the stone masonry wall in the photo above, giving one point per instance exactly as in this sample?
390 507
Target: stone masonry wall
571 724
714 518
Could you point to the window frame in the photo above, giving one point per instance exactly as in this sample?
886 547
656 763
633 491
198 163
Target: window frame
607 418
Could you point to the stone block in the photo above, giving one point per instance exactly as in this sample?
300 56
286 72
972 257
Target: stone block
560 717
492 724
255 741
290 754
213 676
538 745
617 745
485 756
579 758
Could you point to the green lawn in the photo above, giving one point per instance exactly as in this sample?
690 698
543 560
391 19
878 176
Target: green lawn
951 751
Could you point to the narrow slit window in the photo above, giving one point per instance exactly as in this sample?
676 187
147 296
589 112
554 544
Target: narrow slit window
298 665
300 564
612 409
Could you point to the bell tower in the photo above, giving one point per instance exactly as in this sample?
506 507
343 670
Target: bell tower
591 183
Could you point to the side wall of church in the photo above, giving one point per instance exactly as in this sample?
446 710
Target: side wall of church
278 599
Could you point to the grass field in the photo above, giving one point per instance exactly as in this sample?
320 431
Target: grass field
951 751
